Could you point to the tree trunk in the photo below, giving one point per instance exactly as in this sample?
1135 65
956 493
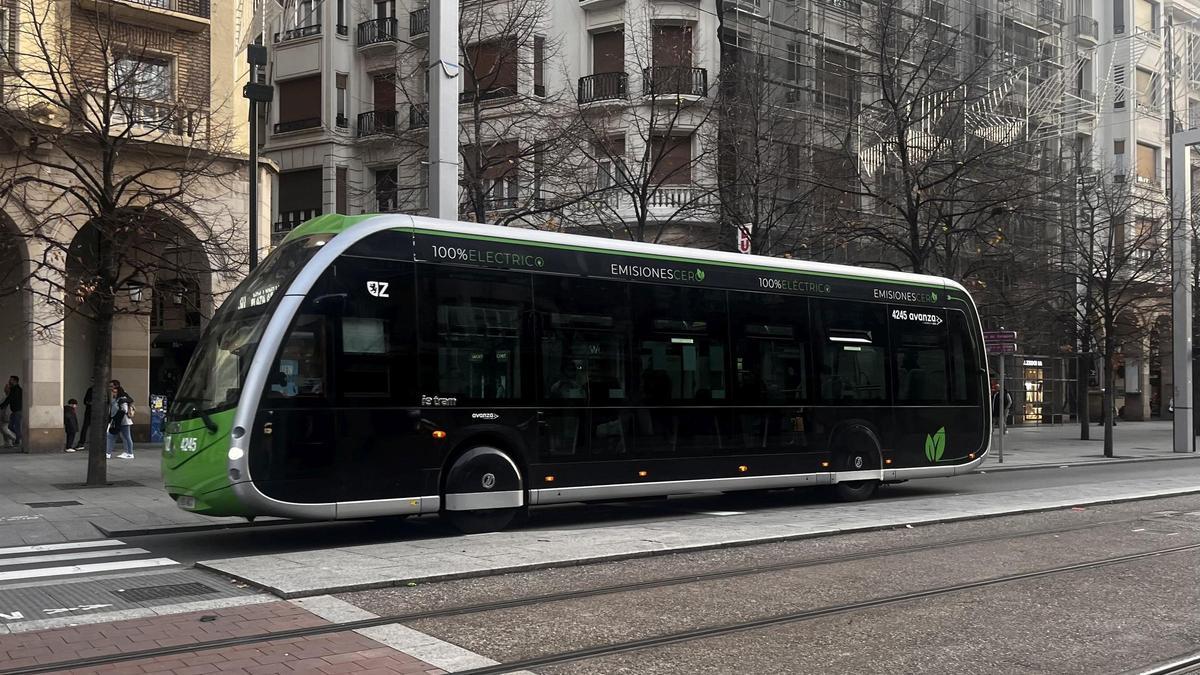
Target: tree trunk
97 440
1081 396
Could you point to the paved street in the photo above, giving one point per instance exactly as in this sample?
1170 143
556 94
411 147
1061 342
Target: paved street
101 569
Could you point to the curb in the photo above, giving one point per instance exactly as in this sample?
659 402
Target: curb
1078 464
180 529
498 571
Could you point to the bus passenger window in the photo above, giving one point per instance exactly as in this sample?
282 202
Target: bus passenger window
965 383
853 352
300 369
471 332
770 333
919 351
681 345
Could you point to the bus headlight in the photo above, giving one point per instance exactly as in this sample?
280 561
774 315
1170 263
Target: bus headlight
236 453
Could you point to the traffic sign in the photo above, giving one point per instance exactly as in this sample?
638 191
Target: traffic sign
744 233
999 336
1002 347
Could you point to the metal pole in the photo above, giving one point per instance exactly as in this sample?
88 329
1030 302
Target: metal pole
1003 409
253 180
1181 279
443 109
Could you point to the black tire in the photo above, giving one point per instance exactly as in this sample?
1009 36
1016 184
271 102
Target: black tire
478 522
859 450
465 471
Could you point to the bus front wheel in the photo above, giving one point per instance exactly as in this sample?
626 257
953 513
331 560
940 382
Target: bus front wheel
483 491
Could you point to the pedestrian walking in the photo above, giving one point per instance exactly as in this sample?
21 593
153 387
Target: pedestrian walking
996 410
7 437
70 424
120 420
87 419
14 401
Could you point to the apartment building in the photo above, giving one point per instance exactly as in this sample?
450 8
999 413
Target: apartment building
349 126
176 67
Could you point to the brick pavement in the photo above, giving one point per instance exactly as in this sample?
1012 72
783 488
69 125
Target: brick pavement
339 652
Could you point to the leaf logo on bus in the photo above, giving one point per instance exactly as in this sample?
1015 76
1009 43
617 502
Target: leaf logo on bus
699 274
935 445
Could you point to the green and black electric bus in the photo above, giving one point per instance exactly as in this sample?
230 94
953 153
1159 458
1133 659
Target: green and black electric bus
383 365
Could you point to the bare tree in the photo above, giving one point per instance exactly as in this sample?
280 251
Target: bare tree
928 143
763 138
1115 262
110 168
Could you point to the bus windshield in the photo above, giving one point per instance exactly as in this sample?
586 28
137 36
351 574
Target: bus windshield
213 380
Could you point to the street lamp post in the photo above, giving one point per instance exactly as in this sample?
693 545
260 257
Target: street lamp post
256 55
443 109
1181 280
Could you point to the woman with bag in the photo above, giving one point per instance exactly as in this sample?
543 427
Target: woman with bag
120 420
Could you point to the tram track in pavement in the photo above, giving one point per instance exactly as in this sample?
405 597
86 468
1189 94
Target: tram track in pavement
647 643
1177 665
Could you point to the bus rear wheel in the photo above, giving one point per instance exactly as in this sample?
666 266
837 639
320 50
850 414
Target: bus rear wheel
485 520
860 453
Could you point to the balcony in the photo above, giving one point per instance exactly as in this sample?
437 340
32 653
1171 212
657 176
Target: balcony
156 121
297 33
418 116
377 122
342 122
290 220
188 15
418 22
1087 29
297 125
675 81
603 87
487 94
378 32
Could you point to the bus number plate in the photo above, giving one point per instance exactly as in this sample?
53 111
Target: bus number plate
186 502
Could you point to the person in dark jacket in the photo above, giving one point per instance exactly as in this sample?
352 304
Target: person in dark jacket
70 423
87 419
16 403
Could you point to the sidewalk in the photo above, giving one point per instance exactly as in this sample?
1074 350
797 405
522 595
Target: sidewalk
42 500
1031 446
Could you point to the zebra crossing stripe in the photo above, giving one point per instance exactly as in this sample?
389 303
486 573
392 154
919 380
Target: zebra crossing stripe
60 557
71 545
87 568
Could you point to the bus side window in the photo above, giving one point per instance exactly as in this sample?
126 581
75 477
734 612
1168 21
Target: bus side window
584 332
919 352
680 334
770 348
300 370
853 352
472 330
964 364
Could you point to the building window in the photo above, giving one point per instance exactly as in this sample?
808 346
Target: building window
385 10
1119 147
1147 90
1118 87
1118 16
385 189
835 79
4 28
300 197
491 70
501 176
342 81
671 160
1147 164
342 190
1145 14
610 164
539 66
143 92
299 104
341 17
305 16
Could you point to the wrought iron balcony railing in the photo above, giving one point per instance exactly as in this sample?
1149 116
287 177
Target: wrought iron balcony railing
297 125
675 80
377 122
298 32
418 22
378 31
603 87
418 116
